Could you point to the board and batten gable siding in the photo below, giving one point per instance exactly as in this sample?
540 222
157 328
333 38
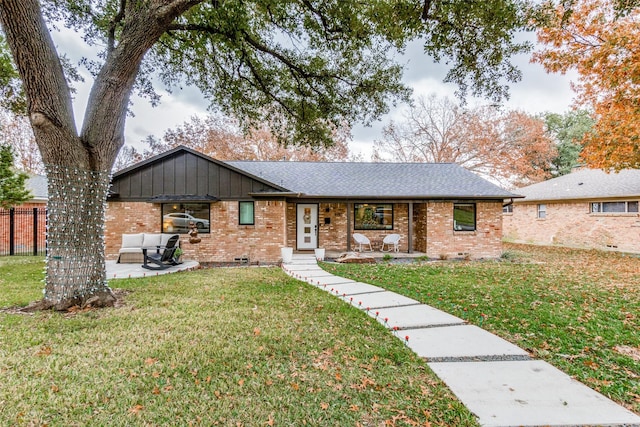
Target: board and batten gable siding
185 174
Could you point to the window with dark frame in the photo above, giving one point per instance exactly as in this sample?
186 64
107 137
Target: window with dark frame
176 217
507 208
464 216
246 213
373 216
615 207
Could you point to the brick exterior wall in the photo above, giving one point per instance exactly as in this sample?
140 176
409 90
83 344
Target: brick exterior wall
228 240
275 227
444 242
571 224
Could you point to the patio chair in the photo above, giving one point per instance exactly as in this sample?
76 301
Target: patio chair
361 239
163 258
392 241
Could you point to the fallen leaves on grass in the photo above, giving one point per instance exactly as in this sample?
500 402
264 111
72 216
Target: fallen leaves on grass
632 352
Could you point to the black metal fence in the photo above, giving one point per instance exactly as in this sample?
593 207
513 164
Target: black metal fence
23 231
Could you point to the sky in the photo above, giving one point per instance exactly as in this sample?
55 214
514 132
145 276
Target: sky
537 92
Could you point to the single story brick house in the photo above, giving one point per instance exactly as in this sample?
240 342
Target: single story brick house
587 208
252 209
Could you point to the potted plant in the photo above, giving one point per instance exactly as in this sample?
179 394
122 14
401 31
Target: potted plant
177 255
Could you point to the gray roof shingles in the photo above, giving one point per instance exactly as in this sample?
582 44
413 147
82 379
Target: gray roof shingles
37 185
585 184
391 180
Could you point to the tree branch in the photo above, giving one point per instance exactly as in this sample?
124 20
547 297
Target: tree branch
113 24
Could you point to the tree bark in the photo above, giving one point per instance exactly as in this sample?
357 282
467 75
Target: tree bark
78 165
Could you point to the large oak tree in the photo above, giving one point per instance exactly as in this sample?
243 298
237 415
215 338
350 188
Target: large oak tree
312 65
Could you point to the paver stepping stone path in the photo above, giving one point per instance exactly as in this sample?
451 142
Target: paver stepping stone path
493 378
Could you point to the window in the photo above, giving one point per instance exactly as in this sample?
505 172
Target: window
464 216
507 208
542 211
614 207
176 217
373 216
247 216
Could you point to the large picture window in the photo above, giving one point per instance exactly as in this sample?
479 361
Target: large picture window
373 216
614 207
247 214
176 217
464 216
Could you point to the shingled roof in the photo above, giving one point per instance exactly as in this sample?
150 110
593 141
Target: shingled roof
374 180
585 184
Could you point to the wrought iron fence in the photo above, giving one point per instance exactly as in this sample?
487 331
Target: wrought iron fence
23 231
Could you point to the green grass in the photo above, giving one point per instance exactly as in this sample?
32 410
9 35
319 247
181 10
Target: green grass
244 346
579 310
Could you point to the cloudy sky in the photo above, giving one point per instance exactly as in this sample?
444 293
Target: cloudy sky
537 92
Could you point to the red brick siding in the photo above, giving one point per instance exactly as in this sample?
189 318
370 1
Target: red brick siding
571 224
444 242
23 228
275 227
420 227
228 240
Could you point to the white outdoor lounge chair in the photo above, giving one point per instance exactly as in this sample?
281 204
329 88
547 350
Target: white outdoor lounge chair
391 240
361 239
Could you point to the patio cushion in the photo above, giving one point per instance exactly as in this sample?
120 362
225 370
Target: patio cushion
132 240
151 240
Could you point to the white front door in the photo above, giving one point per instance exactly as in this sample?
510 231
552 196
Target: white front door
307 225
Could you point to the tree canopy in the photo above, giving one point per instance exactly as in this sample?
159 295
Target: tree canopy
12 183
221 138
601 40
510 147
568 130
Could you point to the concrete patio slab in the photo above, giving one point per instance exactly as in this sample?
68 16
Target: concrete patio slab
126 271
529 393
385 299
460 342
415 316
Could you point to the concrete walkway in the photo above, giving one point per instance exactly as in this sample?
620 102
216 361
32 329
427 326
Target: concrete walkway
495 379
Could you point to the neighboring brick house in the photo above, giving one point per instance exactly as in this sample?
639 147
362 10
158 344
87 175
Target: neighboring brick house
587 208
253 209
23 228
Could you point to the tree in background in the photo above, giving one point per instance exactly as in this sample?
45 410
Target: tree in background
12 183
601 40
309 67
510 148
16 132
222 138
568 131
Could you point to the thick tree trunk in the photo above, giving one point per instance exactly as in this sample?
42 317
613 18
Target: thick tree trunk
75 235
78 165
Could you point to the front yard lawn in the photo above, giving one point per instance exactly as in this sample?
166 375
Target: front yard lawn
228 347
577 309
